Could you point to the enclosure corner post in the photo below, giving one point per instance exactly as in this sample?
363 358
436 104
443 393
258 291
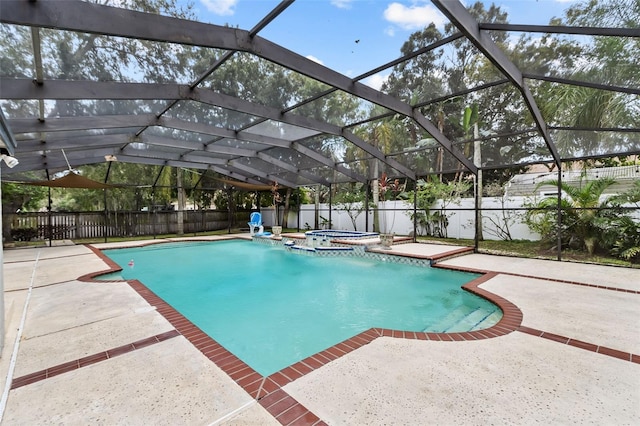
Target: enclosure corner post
478 216
415 211
366 206
229 211
104 228
559 224
49 226
299 207
330 207
1 273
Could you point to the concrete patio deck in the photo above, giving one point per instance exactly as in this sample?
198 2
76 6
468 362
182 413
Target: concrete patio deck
112 353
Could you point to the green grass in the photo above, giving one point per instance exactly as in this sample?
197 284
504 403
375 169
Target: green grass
532 249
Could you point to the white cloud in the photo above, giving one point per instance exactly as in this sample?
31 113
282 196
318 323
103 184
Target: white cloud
342 4
376 80
220 7
314 59
413 17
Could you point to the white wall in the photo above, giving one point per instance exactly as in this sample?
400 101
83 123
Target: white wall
462 222
461 218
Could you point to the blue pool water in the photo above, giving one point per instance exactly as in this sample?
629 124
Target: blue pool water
272 308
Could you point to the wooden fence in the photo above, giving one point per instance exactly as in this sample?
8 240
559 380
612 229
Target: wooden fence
79 225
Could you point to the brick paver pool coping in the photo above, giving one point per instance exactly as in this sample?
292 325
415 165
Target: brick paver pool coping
268 390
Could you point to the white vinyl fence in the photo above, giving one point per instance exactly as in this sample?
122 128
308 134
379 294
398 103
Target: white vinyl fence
396 217
499 215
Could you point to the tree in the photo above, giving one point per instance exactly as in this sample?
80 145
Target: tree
605 60
456 67
18 197
352 201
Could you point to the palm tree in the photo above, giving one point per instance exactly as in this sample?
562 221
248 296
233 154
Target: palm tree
582 208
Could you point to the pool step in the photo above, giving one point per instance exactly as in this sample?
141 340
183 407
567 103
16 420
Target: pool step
490 320
441 325
303 248
465 318
472 321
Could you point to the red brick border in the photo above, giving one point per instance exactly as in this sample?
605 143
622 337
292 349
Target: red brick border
626 356
90 359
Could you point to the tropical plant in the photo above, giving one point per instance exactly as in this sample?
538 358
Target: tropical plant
631 196
582 207
390 190
626 237
621 233
428 192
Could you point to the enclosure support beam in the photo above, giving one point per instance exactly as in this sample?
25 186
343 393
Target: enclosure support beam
261 174
104 193
415 212
330 207
592 85
366 206
299 204
152 211
284 165
1 273
476 211
559 224
49 230
229 214
562 29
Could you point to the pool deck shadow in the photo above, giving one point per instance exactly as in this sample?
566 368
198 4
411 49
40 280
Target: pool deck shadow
597 307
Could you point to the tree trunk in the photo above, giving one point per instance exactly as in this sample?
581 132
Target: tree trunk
285 214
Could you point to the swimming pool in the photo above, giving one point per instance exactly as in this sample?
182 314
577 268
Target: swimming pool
272 308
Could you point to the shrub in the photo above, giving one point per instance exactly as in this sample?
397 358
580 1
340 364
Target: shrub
582 212
24 234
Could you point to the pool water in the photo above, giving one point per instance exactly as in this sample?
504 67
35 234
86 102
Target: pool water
273 308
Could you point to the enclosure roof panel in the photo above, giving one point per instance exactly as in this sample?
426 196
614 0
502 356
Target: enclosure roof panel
80 80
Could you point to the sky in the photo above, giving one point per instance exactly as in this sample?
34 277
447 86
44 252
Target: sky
354 36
